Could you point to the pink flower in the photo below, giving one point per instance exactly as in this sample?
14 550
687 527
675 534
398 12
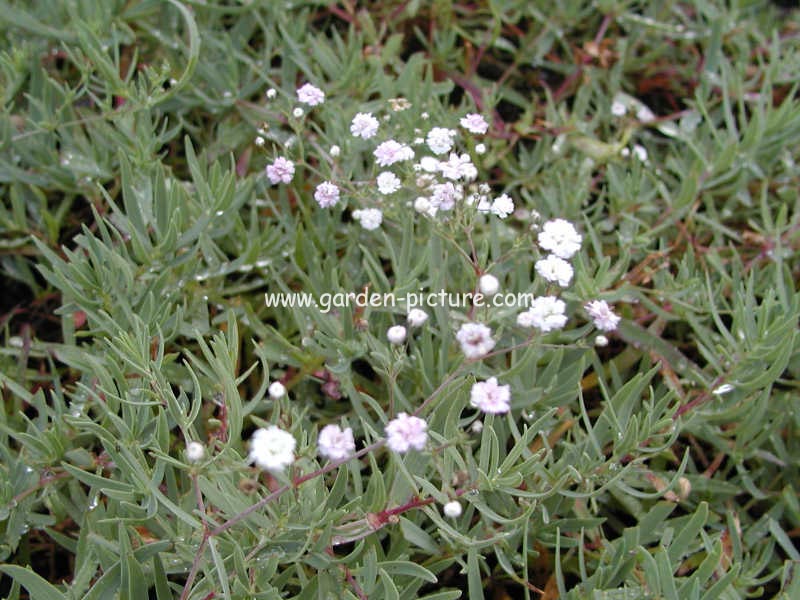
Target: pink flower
475 340
474 123
311 95
490 397
281 171
390 152
326 194
335 443
406 432
605 319
364 125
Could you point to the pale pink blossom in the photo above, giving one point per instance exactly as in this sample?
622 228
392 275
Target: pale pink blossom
475 340
311 95
490 397
335 443
390 152
364 125
474 123
605 319
406 432
280 171
326 194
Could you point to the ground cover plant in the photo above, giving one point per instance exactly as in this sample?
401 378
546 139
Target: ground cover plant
399 299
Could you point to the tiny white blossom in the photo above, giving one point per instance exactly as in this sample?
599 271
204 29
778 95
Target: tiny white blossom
480 148
488 284
195 451
396 334
555 269
618 109
326 194
335 151
490 397
546 313
605 319
280 171
600 341
259 141
298 112
428 164
475 340
640 152
502 206
335 443
416 317
406 432
452 509
370 218
422 204
440 139
311 95
474 123
625 152
388 183
272 448
364 125
276 390
390 152
424 116
271 93
477 426
560 237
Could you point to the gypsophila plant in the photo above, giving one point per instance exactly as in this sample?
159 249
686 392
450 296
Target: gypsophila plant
399 300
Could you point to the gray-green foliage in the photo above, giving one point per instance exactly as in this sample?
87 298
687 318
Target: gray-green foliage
140 234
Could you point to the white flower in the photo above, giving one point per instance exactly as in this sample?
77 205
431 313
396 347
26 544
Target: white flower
370 218
546 313
600 341
490 397
440 139
298 112
280 171
560 237
364 125
428 164
390 152
605 319
272 448
195 451
480 148
276 390
416 317
445 195
452 509
406 432
335 443
271 93
335 151
423 205
388 183
555 269
488 284
477 426
259 141
308 94
458 167
474 123
475 340
326 194
502 206
618 109
625 152
396 334
640 152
